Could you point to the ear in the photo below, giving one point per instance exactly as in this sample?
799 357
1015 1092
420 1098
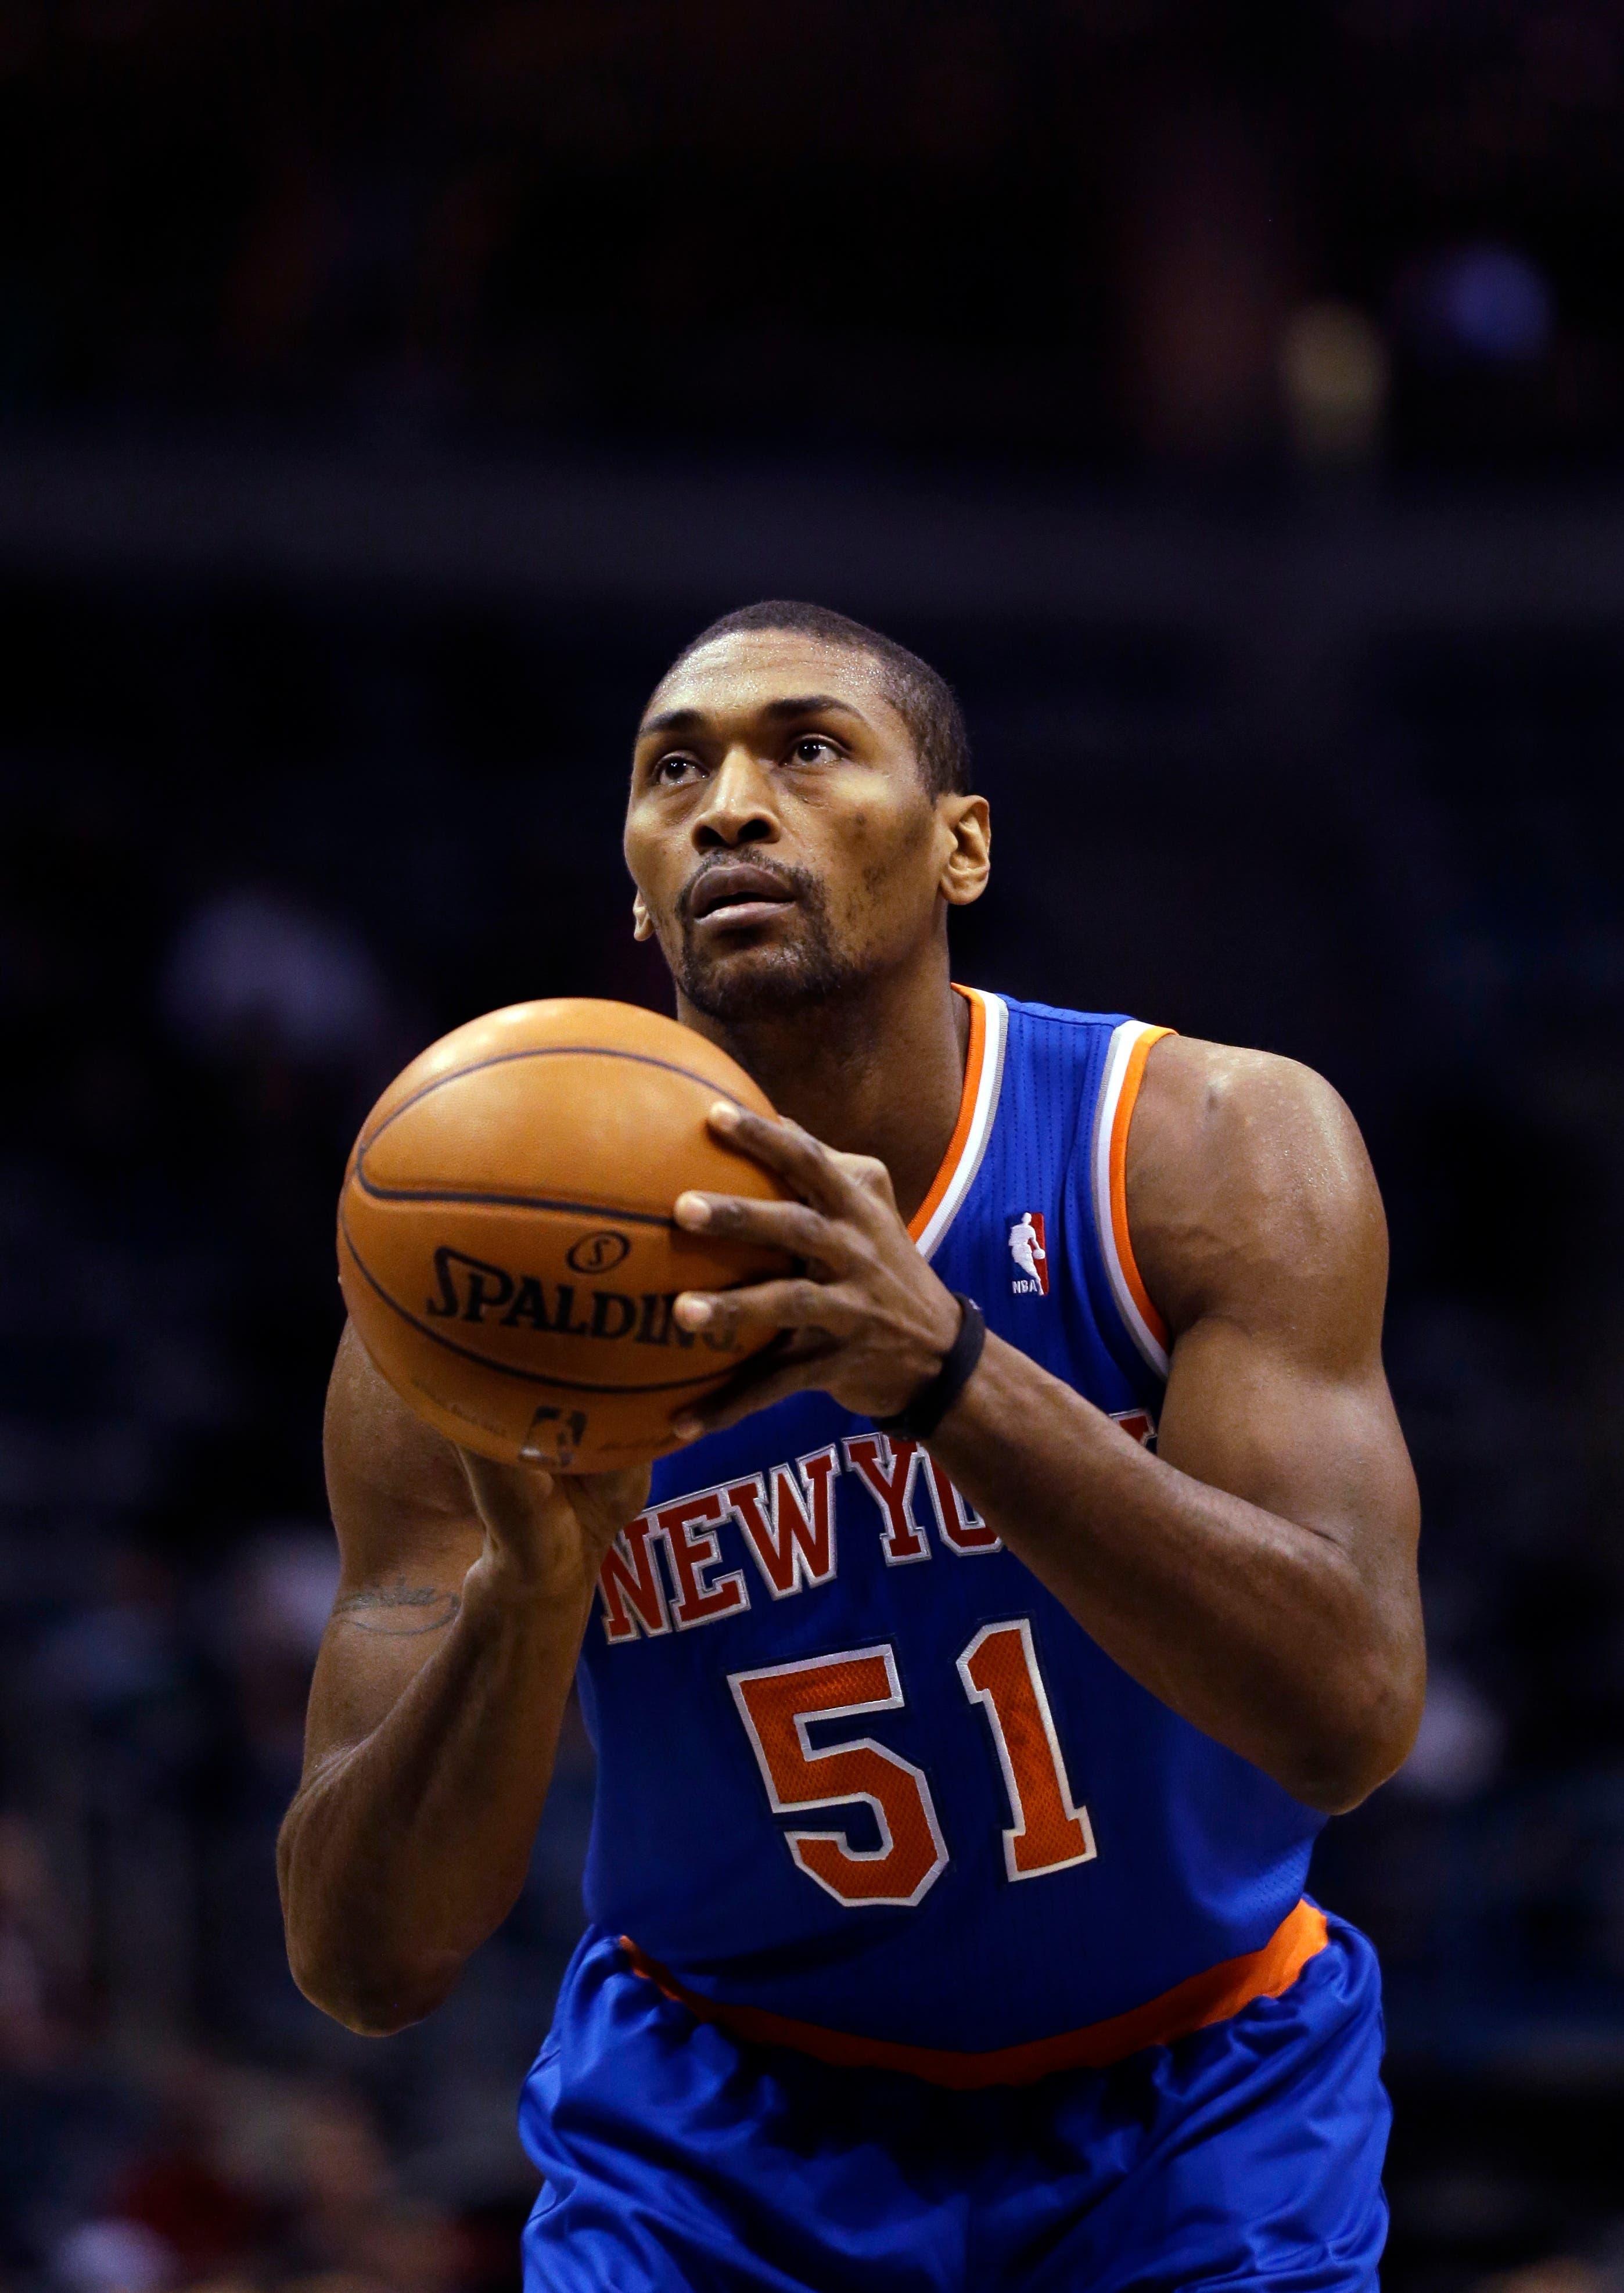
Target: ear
967 860
642 926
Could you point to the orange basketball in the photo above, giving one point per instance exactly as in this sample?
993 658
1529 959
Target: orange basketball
505 1246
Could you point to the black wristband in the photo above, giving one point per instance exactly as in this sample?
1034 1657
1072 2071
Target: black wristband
919 1421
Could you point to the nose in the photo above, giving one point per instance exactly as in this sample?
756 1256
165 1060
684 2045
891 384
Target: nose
738 807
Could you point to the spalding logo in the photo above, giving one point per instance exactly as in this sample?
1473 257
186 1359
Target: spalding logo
471 1289
596 1254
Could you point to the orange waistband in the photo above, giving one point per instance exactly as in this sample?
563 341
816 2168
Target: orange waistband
1211 1996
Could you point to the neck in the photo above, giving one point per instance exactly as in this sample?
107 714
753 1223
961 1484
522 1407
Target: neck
880 1072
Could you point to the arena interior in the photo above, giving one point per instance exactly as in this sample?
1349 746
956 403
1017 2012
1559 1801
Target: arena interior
1231 402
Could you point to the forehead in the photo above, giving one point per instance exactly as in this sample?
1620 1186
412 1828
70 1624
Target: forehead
734 678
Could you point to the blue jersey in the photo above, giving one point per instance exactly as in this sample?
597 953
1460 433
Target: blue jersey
859 1772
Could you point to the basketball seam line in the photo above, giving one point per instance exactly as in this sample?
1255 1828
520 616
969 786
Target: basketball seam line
545 1052
506 1369
377 1194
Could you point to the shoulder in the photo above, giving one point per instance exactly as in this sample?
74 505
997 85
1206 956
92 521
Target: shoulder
1214 1104
1247 1178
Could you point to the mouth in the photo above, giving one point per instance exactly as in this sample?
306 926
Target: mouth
736 895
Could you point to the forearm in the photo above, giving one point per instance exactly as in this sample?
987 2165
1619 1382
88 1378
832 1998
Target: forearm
1256 1628
403 1850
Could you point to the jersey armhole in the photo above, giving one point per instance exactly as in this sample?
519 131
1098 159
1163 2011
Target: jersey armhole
1130 1046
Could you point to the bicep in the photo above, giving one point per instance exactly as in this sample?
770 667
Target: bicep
408 1533
1322 1449
1267 1248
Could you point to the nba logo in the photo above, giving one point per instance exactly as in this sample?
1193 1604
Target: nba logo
1030 1278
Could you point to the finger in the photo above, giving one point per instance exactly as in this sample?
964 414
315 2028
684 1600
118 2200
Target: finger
747 1394
795 1304
786 1147
789 1226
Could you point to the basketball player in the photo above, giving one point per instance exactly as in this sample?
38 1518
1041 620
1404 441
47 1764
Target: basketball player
971 1687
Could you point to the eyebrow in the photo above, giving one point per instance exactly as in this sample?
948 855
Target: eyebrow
776 712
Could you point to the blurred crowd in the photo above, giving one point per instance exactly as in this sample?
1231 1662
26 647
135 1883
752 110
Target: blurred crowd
1088 229
212 965
261 839
172 2113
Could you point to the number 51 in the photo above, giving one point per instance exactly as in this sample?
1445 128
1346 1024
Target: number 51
1048 1832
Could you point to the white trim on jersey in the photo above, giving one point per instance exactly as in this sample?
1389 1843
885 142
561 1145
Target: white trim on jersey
997 1020
1110 1207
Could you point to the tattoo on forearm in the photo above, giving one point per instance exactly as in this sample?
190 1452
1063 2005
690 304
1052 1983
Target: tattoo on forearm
398 1611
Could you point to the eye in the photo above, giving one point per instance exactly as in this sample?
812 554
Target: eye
671 771
812 748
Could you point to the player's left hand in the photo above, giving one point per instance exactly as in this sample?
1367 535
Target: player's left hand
868 1322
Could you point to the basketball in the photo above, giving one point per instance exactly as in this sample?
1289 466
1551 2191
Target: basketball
505 1246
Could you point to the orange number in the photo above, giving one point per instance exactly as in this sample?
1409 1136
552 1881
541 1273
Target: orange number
1000 1673
776 1705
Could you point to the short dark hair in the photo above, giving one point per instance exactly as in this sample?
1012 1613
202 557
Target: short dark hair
921 697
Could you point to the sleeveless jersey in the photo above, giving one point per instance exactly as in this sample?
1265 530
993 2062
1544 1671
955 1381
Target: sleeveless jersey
859 1774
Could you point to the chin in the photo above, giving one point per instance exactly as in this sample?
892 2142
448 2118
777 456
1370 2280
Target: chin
759 983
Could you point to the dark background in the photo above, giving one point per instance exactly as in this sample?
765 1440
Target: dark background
1228 400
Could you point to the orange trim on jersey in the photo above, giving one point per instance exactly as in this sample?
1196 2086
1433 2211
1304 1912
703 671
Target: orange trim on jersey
1126 1099
960 1139
1212 1997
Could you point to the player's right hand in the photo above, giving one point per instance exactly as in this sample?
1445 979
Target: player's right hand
546 1534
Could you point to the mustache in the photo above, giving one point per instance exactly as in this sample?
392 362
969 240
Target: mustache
800 881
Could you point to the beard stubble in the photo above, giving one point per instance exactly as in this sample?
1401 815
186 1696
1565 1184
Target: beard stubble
750 983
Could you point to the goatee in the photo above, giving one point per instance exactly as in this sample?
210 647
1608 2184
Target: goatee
756 984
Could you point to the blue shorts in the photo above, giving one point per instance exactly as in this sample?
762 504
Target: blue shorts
678 2161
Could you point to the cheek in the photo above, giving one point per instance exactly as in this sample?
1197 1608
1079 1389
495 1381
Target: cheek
654 870
887 867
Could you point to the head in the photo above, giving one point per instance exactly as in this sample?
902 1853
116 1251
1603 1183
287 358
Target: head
800 818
